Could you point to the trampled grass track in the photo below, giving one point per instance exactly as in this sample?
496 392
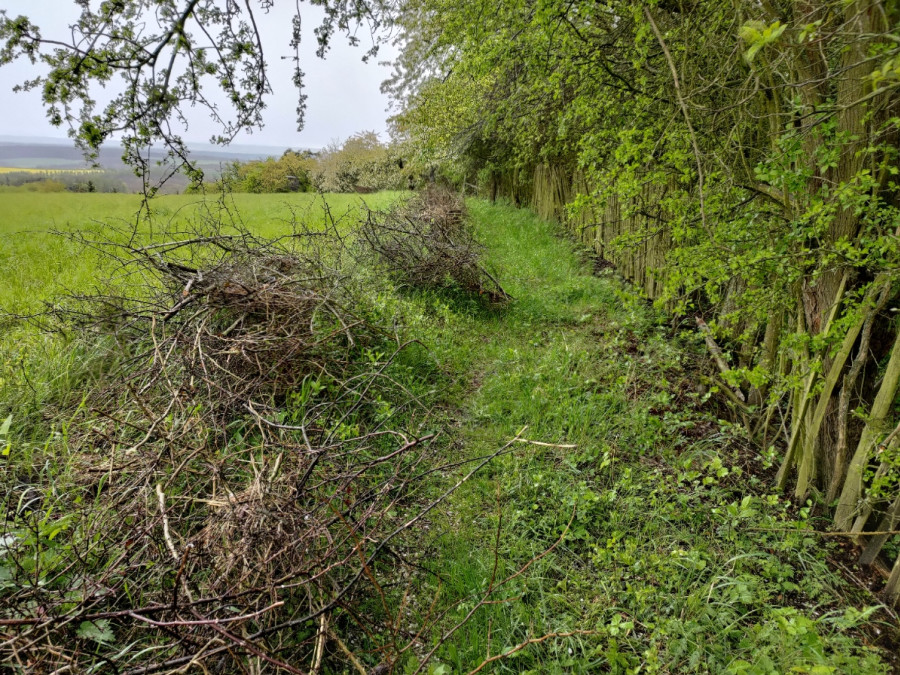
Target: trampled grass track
679 558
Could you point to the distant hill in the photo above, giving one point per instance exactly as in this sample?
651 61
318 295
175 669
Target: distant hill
56 153
53 153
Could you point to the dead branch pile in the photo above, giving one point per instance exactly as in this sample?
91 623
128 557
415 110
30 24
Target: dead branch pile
242 483
243 317
428 242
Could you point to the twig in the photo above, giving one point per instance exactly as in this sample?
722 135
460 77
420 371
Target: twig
519 647
319 651
718 356
165 521
205 622
687 119
355 662
824 533
548 445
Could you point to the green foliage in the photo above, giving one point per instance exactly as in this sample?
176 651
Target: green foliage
677 555
60 181
736 160
97 631
360 163
757 35
289 173
44 185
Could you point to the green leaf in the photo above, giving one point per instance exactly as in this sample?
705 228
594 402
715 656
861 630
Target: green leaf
4 428
757 35
97 631
6 575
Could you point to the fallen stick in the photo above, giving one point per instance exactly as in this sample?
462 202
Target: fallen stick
718 356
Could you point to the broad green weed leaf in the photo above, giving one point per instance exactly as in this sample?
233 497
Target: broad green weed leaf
97 631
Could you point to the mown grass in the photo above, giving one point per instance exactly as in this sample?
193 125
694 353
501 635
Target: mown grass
676 556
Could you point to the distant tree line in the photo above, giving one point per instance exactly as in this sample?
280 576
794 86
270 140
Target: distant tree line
62 181
362 163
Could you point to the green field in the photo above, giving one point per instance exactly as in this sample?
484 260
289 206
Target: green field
36 264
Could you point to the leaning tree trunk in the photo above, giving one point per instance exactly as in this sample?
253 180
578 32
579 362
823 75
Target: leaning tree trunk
853 484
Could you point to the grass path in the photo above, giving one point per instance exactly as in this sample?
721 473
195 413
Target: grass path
677 558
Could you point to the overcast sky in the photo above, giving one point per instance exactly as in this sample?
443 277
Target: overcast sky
343 92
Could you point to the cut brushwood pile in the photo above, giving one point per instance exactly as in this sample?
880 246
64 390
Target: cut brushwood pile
426 242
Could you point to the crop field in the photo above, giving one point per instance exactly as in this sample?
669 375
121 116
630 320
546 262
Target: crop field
37 263
50 172
13 169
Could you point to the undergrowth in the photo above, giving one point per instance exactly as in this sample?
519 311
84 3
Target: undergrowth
677 556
